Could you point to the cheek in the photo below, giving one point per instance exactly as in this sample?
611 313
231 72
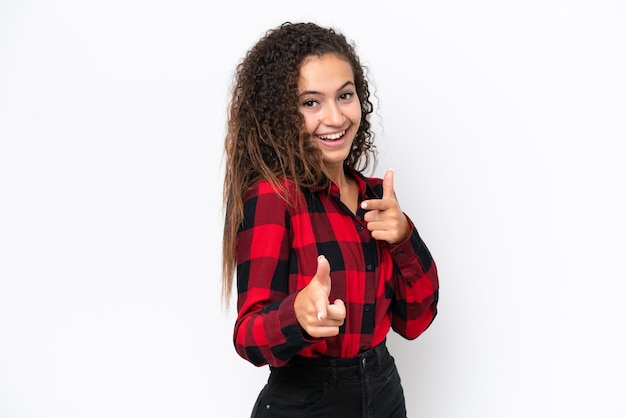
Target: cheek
310 123
355 113
358 112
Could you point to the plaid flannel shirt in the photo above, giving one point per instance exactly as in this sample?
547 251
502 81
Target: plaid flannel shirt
383 286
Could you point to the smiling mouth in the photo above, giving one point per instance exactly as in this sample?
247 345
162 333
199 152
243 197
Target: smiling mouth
332 137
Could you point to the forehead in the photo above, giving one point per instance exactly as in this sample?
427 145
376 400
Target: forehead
327 70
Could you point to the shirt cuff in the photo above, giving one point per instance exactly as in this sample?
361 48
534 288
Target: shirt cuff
404 255
294 334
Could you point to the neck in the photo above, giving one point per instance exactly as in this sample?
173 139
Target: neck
338 176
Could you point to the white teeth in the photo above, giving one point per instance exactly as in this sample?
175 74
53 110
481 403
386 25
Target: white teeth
333 136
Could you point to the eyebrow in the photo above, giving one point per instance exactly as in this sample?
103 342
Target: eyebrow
343 86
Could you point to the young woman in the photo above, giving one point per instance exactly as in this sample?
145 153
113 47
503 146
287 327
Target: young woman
325 260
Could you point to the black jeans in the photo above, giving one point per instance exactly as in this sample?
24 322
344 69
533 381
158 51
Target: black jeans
366 386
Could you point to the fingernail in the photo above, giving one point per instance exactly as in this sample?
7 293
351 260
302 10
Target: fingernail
320 257
364 205
319 316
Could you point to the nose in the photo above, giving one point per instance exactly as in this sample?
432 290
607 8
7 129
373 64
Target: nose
334 115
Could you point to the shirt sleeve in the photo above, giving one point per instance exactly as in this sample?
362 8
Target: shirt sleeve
416 286
266 330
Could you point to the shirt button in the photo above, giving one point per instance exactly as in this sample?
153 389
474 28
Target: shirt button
359 228
369 267
399 255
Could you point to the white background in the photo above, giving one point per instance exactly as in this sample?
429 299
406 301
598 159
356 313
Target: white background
504 121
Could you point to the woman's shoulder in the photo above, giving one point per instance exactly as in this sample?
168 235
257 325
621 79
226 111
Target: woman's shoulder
270 191
373 181
365 183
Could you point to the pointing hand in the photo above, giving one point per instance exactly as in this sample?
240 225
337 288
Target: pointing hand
314 313
384 218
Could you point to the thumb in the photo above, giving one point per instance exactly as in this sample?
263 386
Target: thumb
388 192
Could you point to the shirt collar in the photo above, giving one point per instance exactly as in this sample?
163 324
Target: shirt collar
366 191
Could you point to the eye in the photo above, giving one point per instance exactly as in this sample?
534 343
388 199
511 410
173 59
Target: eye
346 95
309 103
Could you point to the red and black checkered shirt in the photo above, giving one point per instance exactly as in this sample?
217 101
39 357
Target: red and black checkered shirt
382 285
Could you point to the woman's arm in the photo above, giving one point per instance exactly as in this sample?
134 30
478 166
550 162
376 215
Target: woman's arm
266 330
416 286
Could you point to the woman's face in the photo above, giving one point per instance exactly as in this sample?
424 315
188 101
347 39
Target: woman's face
331 108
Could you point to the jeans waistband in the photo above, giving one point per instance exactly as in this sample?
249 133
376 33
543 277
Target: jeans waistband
303 367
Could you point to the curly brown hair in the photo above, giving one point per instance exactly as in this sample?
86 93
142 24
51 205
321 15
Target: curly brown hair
265 136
